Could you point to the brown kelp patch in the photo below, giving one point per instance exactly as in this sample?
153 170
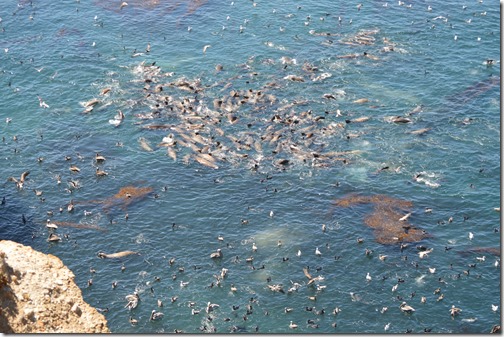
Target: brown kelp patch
495 251
77 225
387 218
122 199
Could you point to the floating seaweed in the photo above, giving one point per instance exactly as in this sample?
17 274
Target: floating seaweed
385 218
122 199
78 225
481 250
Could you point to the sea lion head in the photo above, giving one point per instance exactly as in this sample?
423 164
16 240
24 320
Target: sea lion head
102 255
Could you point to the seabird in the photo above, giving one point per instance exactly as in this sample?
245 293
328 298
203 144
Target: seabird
293 325
53 237
155 315
133 300
406 308
454 311
216 254
99 158
20 182
317 252
101 173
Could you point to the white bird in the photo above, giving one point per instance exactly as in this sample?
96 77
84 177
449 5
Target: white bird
155 315
42 103
211 306
387 326
217 254
132 300
183 284
425 253
432 270
404 218
205 48
495 308
254 247
317 252
394 288
293 325
471 235
384 310
406 308
298 252
481 259
368 277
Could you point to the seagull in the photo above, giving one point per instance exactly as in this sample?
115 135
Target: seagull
254 247
495 308
368 277
425 253
317 252
471 235
20 182
298 252
406 308
217 254
155 315
387 326
454 311
310 278
123 4
101 173
293 325
42 103
211 306
205 48
99 158
404 218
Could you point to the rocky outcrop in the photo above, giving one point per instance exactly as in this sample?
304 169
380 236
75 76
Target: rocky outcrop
38 294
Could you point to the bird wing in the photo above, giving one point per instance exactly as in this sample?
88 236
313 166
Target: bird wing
24 175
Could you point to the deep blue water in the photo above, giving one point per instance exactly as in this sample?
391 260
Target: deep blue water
425 53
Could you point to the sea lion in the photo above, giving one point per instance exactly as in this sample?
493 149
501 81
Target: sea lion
103 255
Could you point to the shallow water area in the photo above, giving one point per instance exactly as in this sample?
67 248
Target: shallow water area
295 118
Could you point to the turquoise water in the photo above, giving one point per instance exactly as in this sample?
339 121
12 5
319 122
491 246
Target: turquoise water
68 52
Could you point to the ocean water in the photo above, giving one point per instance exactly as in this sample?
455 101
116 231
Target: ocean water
426 54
